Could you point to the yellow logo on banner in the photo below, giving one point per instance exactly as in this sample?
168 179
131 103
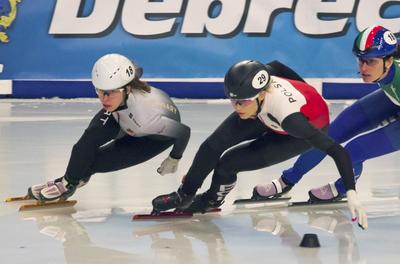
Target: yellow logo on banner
8 13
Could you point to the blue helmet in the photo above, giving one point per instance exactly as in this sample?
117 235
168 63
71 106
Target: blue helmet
375 42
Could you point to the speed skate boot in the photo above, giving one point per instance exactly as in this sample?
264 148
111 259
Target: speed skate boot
177 199
326 193
202 203
272 190
213 198
61 189
34 190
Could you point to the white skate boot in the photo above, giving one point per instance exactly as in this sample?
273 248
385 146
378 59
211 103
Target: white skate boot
272 190
326 193
61 189
34 190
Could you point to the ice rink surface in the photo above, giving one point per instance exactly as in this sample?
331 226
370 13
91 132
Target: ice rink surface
36 137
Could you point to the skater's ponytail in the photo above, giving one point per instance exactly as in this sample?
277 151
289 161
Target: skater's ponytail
137 84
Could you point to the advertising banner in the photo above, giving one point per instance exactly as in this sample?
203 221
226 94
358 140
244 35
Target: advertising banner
61 39
184 39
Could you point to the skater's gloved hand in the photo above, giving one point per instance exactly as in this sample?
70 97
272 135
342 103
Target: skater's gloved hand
169 165
357 212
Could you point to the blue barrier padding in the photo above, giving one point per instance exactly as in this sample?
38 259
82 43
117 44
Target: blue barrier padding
49 89
347 90
198 90
77 89
181 89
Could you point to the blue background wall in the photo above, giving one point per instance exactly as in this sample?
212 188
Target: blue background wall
35 54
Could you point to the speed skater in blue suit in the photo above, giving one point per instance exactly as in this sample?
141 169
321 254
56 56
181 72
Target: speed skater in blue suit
371 123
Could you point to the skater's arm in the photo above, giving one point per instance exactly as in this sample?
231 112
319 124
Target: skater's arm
279 69
180 132
168 127
298 126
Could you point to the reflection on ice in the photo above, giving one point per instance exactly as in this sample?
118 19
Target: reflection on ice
35 142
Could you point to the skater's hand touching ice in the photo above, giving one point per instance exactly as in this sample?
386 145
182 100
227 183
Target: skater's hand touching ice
357 212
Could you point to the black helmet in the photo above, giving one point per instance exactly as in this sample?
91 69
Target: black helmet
246 79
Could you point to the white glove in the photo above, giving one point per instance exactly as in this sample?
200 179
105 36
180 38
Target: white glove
169 165
357 212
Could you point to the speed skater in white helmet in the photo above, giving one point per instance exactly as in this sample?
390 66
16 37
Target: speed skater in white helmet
149 119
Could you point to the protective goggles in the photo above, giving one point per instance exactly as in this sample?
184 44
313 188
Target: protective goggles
369 61
109 93
243 102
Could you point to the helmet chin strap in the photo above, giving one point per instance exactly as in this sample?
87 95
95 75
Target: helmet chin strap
258 106
126 91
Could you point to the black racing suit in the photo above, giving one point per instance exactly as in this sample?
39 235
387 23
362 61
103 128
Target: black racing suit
295 134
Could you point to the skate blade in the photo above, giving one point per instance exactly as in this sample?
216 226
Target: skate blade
18 198
169 215
308 203
265 200
47 205
161 215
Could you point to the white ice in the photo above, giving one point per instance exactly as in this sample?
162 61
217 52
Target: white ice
36 137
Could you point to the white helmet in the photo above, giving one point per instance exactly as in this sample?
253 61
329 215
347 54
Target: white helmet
113 71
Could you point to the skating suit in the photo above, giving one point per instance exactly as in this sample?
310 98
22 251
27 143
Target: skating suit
291 120
146 125
375 115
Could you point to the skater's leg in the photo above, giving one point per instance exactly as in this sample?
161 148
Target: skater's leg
263 152
360 149
365 114
127 152
230 133
101 129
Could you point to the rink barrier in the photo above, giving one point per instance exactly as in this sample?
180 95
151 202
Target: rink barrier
177 88
340 91
84 88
